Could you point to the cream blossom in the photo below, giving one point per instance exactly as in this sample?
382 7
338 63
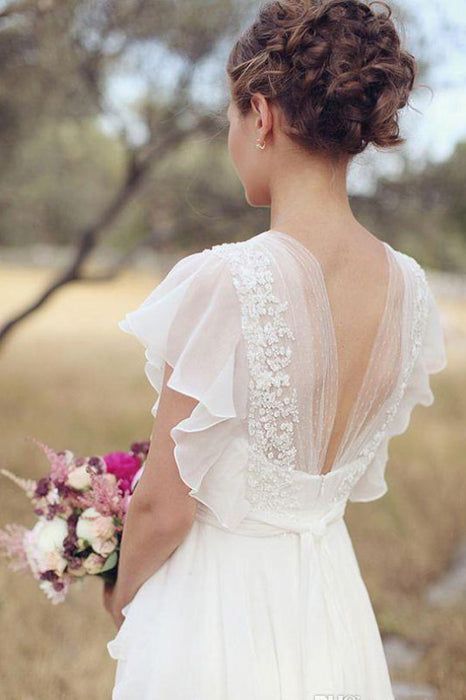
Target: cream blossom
49 534
79 478
104 527
94 563
43 546
104 546
53 561
96 529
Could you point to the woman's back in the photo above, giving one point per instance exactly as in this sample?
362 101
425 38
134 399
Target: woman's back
337 352
253 332
349 307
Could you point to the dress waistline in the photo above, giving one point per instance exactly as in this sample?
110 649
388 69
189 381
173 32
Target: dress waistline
268 523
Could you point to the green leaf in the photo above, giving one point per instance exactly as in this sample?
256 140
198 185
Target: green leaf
111 562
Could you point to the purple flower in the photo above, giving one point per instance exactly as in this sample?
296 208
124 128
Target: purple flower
97 463
42 487
140 447
49 575
53 510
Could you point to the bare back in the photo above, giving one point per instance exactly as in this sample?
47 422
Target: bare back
347 316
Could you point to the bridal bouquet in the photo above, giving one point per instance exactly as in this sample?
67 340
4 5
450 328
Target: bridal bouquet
80 507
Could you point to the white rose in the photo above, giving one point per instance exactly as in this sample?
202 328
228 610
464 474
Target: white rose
94 563
85 527
104 547
95 528
49 534
53 561
79 478
104 527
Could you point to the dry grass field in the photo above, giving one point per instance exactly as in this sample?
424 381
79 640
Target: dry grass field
72 379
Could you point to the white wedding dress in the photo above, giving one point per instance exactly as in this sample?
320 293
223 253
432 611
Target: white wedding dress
264 599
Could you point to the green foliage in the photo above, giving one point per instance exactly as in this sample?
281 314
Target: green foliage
423 211
61 178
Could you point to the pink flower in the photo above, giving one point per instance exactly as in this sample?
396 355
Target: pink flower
94 563
124 466
12 545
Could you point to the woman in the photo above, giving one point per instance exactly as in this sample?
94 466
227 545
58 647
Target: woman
283 365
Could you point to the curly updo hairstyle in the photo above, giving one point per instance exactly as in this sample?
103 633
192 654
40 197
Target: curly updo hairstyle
335 67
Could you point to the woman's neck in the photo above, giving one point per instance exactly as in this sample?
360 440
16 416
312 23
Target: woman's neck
309 200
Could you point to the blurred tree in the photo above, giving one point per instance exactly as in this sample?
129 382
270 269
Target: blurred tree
64 173
58 60
423 211
82 162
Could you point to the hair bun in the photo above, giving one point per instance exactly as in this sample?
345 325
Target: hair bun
336 68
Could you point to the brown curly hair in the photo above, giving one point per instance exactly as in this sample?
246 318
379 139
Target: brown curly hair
335 67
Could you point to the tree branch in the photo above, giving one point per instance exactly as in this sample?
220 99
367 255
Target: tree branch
122 262
89 238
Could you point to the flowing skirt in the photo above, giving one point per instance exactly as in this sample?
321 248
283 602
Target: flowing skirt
227 618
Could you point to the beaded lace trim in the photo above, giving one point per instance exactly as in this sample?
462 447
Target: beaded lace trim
417 334
273 403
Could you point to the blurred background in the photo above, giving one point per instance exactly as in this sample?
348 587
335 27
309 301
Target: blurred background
114 165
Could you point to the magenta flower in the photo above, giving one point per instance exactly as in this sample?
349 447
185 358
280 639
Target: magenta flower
124 466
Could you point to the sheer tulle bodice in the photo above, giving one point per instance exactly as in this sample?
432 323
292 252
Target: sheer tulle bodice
248 329
315 368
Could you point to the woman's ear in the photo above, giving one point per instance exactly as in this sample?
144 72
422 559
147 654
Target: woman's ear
262 115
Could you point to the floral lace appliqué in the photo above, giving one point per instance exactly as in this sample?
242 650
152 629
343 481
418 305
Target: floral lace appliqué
273 404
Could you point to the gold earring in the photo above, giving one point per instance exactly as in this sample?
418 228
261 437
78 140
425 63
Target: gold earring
260 145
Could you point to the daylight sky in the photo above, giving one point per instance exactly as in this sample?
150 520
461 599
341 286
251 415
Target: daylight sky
443 119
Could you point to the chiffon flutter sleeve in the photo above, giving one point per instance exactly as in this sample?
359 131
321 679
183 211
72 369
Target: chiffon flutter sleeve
431 358
192 321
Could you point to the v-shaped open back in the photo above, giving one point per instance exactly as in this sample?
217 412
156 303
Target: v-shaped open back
248 329
337 407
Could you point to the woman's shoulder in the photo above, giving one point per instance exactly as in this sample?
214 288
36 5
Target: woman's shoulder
216 252
234 258
428 322
408 261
